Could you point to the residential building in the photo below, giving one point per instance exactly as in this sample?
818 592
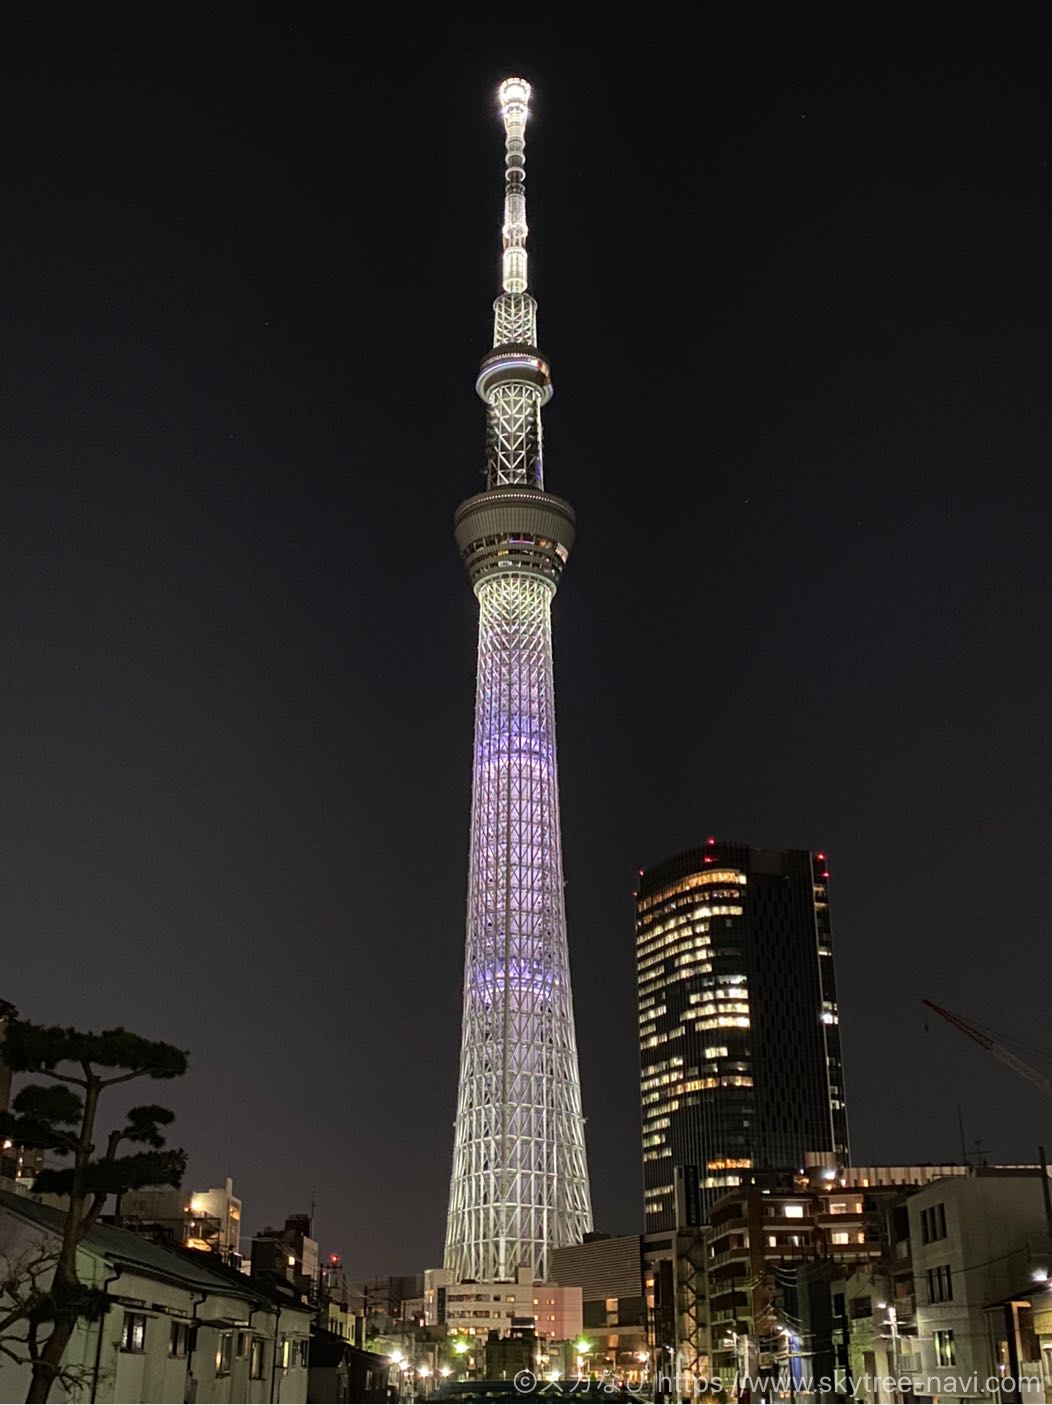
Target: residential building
740 1063
977 1244
957 1299
778 1246
183 1325
289 1253
197 1219
339 1305
342 1374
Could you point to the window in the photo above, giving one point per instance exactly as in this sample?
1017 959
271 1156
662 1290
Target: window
179 1339
133 1332
302 1352
933 1223
793 1212
243 1341
255 1359
286 1353
945 1349
940 1284
224 1353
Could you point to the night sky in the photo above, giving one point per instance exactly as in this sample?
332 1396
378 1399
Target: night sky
794 284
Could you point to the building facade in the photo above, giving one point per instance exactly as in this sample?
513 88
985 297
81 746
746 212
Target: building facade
182 1325
472 1311
289 1253
644 1302
519 1185
978 1244
740 1063
778 1247
198 1219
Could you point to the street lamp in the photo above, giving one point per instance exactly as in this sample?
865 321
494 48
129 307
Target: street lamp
892 1321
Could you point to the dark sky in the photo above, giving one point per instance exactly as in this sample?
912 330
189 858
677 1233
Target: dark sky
794 282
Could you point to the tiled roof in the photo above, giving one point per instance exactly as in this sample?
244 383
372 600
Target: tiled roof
122 1246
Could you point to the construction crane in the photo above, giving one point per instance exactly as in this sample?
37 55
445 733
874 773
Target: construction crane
1019 1066
991 1046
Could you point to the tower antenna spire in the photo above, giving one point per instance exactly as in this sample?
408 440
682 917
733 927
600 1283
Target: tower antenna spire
514 380
515 109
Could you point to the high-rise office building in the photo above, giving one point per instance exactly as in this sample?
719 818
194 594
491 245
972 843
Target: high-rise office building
740 1064
520 1183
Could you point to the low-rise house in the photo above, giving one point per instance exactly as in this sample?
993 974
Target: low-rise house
183 1325
341 1373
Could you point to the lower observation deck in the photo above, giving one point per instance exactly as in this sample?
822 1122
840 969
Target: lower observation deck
514 530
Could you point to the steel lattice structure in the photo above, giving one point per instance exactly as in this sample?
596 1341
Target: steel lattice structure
520 1181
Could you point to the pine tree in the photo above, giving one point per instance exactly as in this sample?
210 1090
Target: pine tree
60 1116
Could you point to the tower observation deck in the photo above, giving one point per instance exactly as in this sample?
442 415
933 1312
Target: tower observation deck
520 1182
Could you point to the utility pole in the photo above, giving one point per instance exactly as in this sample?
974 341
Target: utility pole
1046 1191
893 1323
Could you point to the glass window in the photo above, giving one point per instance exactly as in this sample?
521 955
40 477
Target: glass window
940 1284
133 1332
224 1353
255 1359
179 1339
945 1349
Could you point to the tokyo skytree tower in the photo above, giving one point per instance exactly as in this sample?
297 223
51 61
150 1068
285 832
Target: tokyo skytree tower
520 1181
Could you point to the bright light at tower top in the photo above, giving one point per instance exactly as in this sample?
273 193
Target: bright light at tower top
515 93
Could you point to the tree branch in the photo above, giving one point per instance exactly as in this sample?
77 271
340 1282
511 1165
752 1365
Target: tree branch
124 1077
62 1077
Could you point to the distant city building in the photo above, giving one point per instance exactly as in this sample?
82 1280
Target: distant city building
339 1305
740 1063
474 1310
643 1300
503 1358
7 1012
17 1163
290 1253
197 1219
386 1302
776 1247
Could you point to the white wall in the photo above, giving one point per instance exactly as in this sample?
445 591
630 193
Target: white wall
152 1375
995 1226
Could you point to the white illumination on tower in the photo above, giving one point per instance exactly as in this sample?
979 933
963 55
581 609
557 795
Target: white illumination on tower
520 1181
